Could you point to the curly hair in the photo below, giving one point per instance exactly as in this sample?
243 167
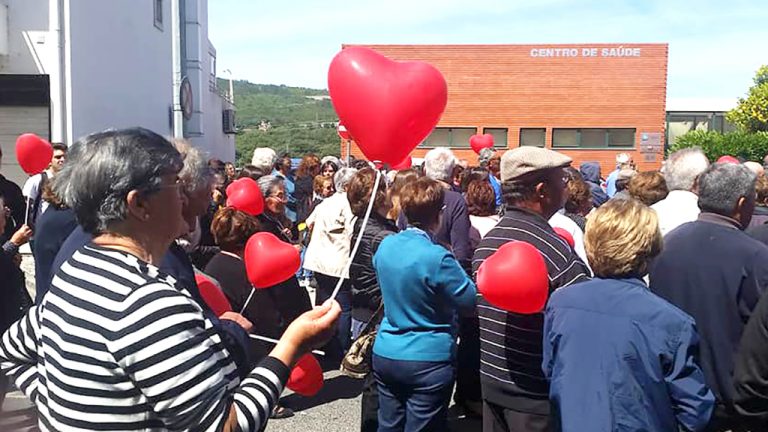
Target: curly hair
649 187
359 193
232 228
481 200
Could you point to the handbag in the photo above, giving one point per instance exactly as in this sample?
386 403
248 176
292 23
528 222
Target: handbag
357 362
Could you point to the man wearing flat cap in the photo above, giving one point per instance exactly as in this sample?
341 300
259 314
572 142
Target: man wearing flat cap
515 392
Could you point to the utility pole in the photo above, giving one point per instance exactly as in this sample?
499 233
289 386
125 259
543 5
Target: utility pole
178 114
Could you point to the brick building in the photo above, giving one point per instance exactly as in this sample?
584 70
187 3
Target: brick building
589 101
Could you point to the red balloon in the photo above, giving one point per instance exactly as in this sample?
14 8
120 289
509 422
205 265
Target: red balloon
389 107
306 377
244 195
479 142
33 153
565 235
404 164
269 261
343 132
515 278
728 160
212 294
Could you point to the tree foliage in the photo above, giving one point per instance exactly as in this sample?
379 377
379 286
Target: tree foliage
294 141
745 145
751 113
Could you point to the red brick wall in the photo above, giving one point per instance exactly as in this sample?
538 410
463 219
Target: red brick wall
504 86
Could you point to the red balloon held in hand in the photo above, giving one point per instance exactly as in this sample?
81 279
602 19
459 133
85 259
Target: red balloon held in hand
565 235
479 142
515 278
269 261
387 106
33 153
728 160
244 195
306 377
212 295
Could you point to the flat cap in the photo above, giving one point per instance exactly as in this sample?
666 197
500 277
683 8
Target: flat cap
522 161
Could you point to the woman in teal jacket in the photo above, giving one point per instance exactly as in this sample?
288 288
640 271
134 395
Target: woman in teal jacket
423 287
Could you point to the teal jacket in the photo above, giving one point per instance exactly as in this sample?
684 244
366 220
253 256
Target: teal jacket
423 287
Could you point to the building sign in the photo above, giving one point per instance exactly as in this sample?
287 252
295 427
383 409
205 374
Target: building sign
650 142
619 51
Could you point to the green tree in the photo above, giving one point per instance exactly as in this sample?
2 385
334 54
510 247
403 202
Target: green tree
751 113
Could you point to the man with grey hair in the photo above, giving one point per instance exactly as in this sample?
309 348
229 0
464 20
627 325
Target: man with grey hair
454 228
680 171
623 162
716 273
264 159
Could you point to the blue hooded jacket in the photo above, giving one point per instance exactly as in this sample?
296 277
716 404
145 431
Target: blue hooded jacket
590 171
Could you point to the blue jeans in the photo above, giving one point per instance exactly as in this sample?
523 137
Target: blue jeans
413 395
325 286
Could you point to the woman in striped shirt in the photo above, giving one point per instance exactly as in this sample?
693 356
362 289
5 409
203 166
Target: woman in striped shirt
116 344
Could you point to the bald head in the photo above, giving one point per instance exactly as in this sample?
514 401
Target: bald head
755 168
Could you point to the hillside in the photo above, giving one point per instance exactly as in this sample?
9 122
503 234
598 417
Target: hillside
287 119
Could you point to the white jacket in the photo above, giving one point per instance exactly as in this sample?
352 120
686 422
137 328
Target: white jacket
329 247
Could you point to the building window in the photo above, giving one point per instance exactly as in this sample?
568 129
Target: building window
212 84
449 137
499 136
593 138
158 13
533 137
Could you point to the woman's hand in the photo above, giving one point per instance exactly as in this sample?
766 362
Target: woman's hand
310 330
239 319
22 235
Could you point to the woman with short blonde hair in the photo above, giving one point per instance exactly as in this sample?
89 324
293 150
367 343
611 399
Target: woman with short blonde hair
615 349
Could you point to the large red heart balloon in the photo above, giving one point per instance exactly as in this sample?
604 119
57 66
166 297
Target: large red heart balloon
565 235
306 377
515 278
343 132
244 195
33 153
269 261
212 295
404 164
389 107
479 142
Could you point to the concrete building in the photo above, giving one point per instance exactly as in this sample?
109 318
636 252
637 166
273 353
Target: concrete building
72 67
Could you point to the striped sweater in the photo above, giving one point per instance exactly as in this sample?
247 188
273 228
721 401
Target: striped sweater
511 344
116 345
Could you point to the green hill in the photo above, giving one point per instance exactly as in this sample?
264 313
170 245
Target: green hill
294 120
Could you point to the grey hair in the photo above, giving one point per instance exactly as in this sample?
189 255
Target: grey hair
485 156
264 158
682 168
102 168
268 183
195 174
439 163
722 185
342 178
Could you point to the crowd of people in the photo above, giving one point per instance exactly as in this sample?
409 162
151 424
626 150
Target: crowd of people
656 318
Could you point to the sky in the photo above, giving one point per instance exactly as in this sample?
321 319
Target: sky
715 47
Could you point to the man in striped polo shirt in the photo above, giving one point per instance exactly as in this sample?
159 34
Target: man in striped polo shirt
515 392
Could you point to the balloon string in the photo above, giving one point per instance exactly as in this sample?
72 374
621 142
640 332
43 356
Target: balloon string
275 341
360 235
250 296
26 213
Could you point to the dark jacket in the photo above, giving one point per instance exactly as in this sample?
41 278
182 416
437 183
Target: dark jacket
759 216
619 357
14 200
303 193
366 294
750 377
716 273
53 228
13 292
590 171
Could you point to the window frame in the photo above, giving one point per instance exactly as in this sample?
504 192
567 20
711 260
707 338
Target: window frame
542 129
158 14
607 139
425 145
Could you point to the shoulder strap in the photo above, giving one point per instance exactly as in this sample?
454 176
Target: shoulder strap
39 198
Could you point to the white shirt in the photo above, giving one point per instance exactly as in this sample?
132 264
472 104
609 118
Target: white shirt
480 225
559 220
32 190
329 247
676 209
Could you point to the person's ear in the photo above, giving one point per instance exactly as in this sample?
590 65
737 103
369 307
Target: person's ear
541 190
138 205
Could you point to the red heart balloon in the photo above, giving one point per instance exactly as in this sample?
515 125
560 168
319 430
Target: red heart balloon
515 278
33 153
244 195
269 261
479 142
565 235
389 107
404 164
212 294
728 160
306 377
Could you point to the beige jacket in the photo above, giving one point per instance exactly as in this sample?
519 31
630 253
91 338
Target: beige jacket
329 247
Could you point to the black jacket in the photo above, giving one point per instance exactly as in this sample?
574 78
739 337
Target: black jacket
15 298
366 295
750 377
14 200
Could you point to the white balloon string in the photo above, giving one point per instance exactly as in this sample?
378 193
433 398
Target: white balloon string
360 234
26 213
275 341
250 296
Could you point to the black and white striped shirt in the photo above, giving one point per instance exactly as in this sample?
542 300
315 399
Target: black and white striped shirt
116 345
511 344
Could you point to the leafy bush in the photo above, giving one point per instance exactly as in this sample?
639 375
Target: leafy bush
748 146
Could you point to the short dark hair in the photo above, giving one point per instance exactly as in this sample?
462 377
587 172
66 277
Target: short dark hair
359 192
422 201
60 146
216 165
252 172
481 200
648 187
232 228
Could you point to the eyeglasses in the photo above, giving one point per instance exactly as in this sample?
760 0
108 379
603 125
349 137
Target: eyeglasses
279 196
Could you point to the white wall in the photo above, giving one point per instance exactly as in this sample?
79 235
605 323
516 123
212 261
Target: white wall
121 74
24 16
